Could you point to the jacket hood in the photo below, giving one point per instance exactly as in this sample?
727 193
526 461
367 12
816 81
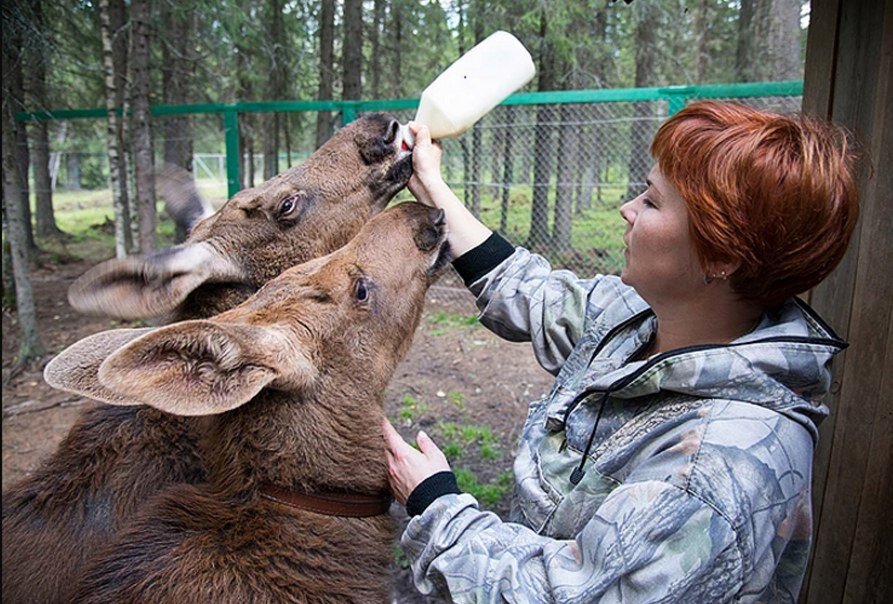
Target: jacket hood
783 365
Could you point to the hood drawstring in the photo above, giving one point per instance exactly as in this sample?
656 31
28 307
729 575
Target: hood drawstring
577 474
579 471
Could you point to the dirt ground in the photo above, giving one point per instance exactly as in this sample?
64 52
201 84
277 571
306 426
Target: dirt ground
464 386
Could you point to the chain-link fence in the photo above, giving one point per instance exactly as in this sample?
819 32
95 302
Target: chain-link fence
552 177
549 171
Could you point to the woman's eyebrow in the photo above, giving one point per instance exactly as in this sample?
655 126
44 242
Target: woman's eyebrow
652 186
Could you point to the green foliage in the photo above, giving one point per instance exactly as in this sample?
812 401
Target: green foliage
233 56
411 408
490 493
596 233
490 452
452 450
441 322
457 398
460 439
401 560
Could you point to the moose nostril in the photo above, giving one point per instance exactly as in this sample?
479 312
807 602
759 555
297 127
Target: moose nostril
437 217
393 129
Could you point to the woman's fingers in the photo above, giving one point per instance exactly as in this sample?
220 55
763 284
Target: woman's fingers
420 132
428 448
395 442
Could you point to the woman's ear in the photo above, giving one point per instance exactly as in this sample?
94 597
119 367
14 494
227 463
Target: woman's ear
205 368
720 271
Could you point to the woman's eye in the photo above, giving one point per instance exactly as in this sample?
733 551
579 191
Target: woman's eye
648 202
362 291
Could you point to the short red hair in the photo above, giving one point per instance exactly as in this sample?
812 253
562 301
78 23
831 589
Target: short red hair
773 192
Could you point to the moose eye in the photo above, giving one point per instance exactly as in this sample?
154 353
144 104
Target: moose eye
362 290
287 206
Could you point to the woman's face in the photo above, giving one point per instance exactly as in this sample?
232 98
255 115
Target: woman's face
661 262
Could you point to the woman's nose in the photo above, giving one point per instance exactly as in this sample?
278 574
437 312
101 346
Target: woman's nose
626 210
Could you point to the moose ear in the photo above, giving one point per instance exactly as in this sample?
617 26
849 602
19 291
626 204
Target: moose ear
150 286
205 368
76 368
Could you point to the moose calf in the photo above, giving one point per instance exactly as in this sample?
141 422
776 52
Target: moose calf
291 385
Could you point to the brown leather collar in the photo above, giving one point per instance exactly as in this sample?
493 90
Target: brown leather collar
348 505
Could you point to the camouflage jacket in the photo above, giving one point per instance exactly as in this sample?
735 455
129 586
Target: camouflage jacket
696 486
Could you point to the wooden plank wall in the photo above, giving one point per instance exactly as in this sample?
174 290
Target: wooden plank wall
849 78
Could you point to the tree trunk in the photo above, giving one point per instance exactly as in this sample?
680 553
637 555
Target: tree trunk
123 93
476 155
73 171
275 88
744 55
702 36
142 129
117 175
31 346
245 92
14 87
507 170
43 190
248 145
397 48
9 286
23 162
567 171
640 140
326 69
286 137
352 57
375 41
177 73
777 28
543 146
127 145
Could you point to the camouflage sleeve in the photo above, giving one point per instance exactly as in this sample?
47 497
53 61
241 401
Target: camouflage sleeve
648 542
523 299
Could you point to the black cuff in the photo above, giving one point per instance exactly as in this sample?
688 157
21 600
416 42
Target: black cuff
478 261
442 483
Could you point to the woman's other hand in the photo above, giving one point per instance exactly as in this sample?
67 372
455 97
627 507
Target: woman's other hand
407 467
426 155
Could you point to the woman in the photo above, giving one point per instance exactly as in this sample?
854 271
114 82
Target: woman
671 461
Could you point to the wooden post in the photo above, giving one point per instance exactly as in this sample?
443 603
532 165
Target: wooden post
849 79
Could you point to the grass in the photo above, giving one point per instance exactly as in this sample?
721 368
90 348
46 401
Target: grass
489 493
458 439
457 398
441 321
411 408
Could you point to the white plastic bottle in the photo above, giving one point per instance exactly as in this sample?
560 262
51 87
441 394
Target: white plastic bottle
476 83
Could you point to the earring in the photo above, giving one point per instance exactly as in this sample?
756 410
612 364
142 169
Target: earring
710 278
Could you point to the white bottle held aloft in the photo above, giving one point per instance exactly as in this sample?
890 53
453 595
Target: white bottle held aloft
472 86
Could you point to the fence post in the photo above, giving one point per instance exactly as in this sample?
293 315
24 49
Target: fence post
233 154
348 112
677 96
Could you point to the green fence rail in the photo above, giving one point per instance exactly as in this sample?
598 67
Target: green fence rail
675 96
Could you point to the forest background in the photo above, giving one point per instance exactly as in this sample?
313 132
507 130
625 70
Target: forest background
132 55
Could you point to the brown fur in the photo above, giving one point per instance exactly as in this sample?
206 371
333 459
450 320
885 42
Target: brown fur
113 459
300 370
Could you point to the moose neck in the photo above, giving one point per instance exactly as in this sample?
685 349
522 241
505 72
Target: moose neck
327 439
